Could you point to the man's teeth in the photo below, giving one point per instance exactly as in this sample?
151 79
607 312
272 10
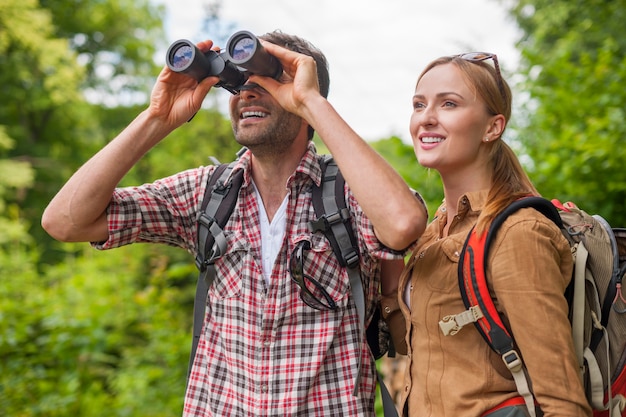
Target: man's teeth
429 139
247 114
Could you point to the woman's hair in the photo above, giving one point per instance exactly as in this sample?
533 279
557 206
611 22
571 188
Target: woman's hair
302 46
509 180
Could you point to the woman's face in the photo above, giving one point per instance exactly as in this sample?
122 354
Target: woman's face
449 122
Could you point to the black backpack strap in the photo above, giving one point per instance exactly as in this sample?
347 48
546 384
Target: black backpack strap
219 201
333 220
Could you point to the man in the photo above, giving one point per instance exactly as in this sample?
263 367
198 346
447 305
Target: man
264 350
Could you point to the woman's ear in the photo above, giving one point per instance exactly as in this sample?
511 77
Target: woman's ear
496 127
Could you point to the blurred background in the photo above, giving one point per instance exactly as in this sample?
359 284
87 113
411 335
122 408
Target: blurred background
84 333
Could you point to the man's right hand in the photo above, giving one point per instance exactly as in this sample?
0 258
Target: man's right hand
176 97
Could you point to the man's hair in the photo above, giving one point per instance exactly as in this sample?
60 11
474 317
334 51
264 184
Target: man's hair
302 46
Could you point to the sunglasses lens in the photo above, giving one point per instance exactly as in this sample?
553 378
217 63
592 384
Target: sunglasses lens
311 291
315 295
318 298
476 56
295 266
483 56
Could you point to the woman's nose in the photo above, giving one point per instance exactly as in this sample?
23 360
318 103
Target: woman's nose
427 117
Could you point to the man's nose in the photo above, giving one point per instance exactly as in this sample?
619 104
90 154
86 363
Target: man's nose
249 90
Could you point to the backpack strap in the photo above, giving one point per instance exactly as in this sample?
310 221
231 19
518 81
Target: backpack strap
219 201
333 220
477 299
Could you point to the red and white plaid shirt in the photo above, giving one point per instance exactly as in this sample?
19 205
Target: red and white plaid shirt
263 351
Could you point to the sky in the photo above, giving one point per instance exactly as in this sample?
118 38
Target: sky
375 49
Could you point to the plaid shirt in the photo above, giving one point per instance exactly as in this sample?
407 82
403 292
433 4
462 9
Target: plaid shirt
263 351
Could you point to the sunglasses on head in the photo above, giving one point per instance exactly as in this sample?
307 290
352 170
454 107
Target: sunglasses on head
483 56
309 287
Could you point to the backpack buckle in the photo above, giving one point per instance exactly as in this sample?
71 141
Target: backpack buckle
352 258
512 360
326 222
205 220
200 264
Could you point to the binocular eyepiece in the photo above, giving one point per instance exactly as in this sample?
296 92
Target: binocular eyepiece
244 55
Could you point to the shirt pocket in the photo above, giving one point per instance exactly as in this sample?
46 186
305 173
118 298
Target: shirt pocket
440 263
231 267
321 265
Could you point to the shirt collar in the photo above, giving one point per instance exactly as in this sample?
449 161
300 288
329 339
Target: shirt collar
309 166
471 202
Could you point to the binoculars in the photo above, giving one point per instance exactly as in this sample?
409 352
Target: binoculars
244 55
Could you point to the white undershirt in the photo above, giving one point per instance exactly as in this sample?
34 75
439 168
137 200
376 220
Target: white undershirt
271 234
407 294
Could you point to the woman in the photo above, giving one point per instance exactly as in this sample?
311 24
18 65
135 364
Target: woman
461 108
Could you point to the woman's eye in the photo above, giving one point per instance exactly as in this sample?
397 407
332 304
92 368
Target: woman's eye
418 105
449 103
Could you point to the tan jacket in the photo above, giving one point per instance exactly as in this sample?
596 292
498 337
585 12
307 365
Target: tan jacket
529 268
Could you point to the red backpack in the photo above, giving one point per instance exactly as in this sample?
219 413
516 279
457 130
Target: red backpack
597 304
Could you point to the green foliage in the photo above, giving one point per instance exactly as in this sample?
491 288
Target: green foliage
97 334
209 133
115 40
102 334
574 57
15 178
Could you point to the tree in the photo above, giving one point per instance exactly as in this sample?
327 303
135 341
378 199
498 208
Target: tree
115 42
574 60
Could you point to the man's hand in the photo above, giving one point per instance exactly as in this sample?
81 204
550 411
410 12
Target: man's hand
298 83
176 97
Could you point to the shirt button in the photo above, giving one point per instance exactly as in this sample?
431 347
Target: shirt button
264 388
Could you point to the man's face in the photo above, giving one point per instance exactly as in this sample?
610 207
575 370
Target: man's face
260 123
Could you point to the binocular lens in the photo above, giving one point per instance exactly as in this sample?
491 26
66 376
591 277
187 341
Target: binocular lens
243 48
181 56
